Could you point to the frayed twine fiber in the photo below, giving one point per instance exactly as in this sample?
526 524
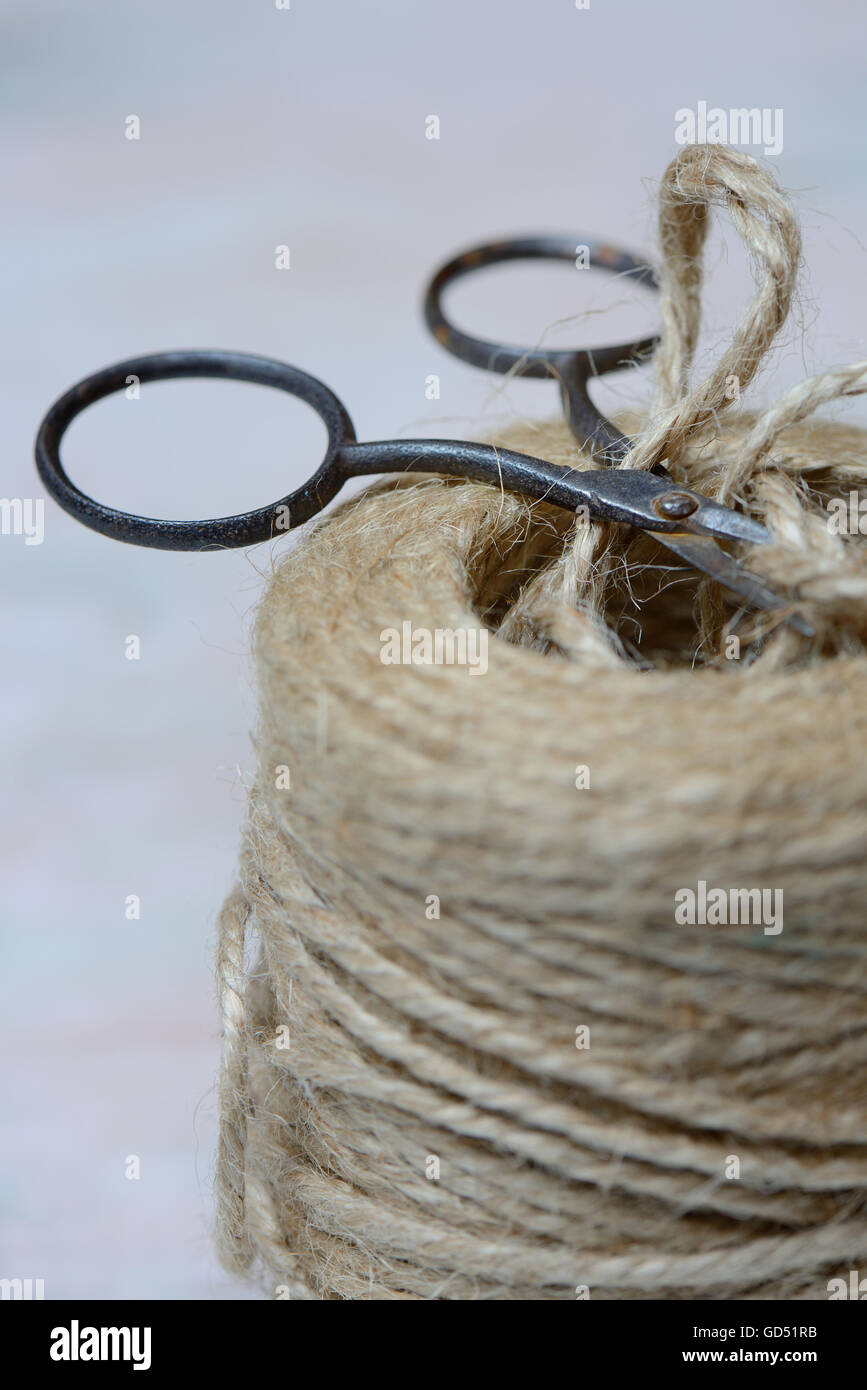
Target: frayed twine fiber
367 1040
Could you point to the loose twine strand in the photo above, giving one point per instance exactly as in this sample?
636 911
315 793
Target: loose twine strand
404 1110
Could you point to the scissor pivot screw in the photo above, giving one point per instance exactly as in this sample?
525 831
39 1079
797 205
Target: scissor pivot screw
676 504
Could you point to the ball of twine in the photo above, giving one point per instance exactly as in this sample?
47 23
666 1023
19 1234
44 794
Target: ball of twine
472 1054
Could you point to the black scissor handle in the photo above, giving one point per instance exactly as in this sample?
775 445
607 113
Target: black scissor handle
633 498
572 367
216 533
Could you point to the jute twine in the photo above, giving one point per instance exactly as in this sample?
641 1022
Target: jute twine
552 1088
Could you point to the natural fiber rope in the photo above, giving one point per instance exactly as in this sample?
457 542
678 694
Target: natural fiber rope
368 1036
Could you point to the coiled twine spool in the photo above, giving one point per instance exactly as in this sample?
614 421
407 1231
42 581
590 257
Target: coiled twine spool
475 1054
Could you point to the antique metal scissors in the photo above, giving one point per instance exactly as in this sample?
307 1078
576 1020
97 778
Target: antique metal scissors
685 521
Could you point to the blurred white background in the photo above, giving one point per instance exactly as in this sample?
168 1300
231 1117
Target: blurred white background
304 127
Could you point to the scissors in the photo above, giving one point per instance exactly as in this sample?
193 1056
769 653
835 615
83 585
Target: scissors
683 520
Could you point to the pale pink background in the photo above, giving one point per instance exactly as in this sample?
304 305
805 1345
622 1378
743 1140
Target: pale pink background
262 127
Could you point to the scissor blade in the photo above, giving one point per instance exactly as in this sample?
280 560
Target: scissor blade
703 553
639 499
713 519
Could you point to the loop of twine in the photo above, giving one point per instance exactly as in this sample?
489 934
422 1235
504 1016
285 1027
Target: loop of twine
720 452
700 177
